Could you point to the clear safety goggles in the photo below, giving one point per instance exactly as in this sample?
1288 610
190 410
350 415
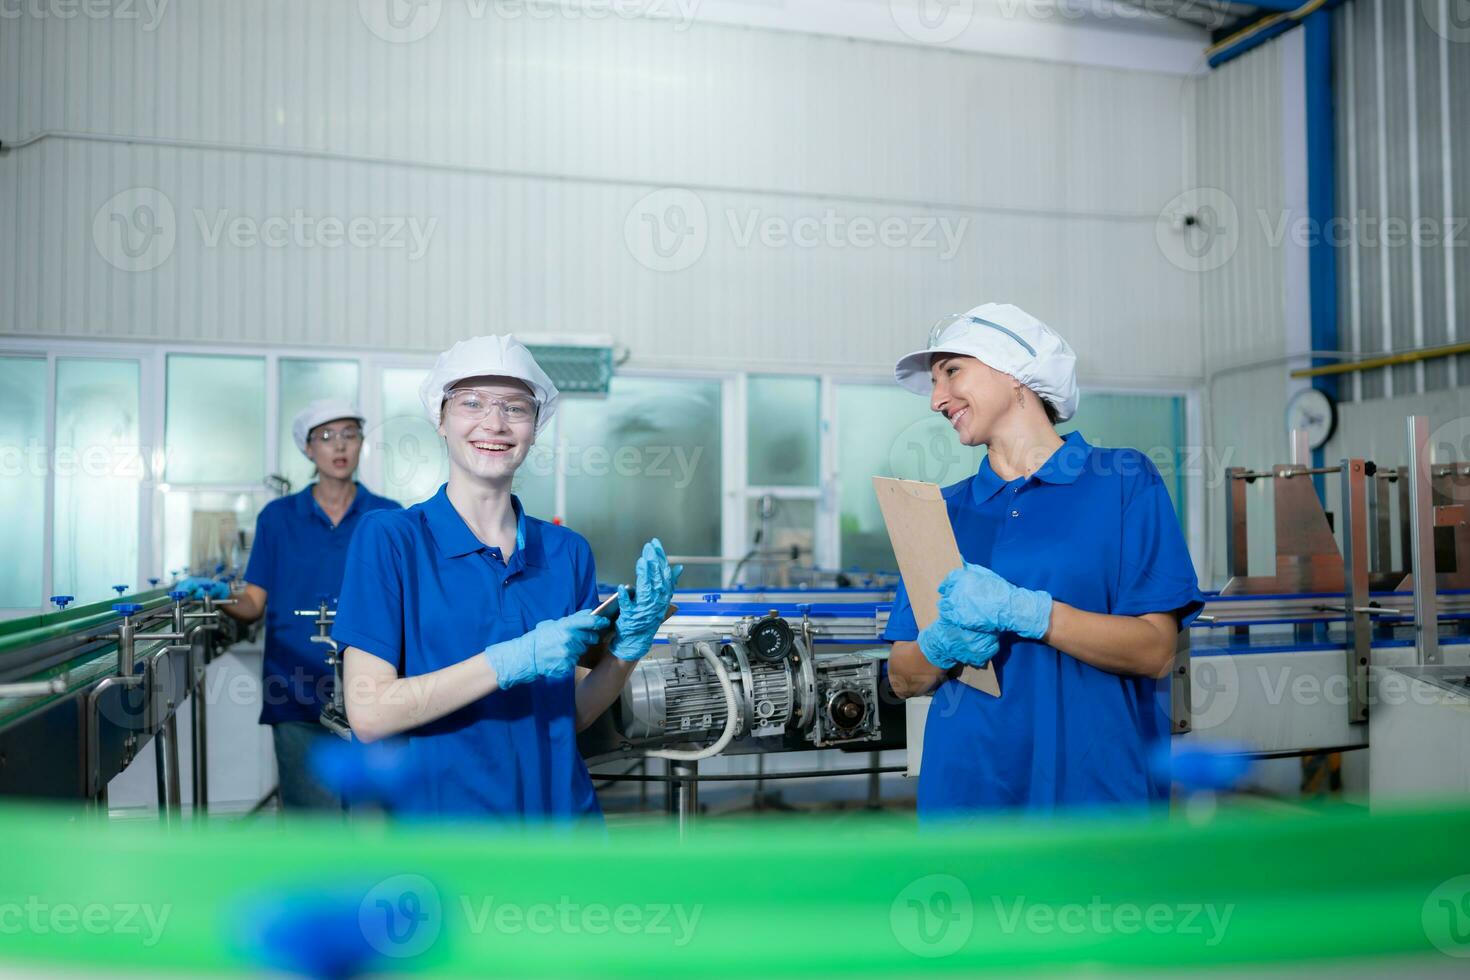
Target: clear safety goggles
329 437
948 328
473 405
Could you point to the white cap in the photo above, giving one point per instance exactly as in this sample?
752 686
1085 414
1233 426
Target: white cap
499 355
1008 339
319 412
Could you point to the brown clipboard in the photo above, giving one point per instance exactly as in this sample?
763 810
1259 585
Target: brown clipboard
923 542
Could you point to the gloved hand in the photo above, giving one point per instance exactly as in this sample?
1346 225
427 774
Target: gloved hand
198 587
550 650
976 598
945 645
640 615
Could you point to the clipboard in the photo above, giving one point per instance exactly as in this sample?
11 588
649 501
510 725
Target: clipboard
923 542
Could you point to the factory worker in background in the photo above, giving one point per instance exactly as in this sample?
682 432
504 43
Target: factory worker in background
463 617
1076 584
297 557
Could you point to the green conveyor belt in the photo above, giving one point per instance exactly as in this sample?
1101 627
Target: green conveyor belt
21 634
26 631
792 897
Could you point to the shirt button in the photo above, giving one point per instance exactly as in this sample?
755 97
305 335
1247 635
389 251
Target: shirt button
1015 513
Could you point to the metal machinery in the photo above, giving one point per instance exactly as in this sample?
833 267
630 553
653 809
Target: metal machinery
802 668
1285 663
84 690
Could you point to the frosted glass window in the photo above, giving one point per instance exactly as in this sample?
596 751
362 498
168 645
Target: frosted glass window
883 430
535 481
99 467
783 437
301 383
22 480
1152 424
415 462
645 461
206 528
782 524
215 419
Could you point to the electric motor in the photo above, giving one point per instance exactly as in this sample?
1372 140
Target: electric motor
782 691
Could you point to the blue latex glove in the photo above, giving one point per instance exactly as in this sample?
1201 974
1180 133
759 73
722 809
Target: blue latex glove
550 650
976 598
946 645
198 587
640 616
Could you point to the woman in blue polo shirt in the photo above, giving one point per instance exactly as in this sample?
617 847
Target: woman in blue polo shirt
464 617
1076 584
296 559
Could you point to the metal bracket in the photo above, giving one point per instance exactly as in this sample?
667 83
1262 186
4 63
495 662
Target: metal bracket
1421 518
1355 561
1181 708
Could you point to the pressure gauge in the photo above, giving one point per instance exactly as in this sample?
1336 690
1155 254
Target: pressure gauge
771 639
1313 410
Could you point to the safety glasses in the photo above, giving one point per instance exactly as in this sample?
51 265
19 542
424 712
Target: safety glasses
472 405
944 330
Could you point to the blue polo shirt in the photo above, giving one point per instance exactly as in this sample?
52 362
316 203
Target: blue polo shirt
423 593
297 556
1096 529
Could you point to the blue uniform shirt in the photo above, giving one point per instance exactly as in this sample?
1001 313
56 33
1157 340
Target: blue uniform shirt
423 593
1095 528
297 557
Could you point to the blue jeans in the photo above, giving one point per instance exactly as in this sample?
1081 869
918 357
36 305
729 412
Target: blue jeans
299 787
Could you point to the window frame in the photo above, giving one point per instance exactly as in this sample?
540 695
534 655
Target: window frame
151 356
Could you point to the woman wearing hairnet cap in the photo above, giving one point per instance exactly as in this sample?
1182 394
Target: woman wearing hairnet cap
296 560
1075 586
464 617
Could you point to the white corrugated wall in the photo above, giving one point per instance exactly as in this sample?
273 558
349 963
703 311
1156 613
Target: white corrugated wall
520 149
1244 302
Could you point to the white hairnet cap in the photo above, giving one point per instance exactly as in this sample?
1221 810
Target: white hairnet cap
320 412
1008 339
500 355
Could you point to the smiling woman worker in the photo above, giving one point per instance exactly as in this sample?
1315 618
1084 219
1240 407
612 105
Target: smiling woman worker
1076 584
297 557
464 617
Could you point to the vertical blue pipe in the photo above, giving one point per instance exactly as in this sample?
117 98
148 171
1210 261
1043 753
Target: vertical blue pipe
1321 197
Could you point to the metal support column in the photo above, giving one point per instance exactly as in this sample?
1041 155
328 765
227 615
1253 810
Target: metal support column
1355 562
1421 522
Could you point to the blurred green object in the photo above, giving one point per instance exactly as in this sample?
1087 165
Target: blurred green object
813 897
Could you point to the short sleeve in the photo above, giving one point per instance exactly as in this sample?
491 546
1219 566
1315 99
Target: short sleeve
901 623
260 570
370 603
1155 573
